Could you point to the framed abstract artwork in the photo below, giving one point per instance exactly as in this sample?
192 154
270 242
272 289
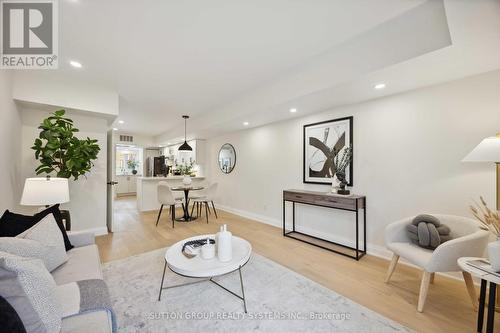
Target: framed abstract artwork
322 142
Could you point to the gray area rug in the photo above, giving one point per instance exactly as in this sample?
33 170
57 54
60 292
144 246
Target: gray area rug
278 300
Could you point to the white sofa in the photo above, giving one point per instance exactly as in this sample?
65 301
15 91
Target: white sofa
84 263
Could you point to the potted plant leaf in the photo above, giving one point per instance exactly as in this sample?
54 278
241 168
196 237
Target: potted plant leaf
59 151
133 164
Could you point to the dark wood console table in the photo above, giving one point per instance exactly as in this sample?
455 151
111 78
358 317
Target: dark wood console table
353 203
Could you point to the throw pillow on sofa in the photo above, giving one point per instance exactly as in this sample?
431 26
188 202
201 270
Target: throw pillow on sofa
27 285
42 241
12 224
9 319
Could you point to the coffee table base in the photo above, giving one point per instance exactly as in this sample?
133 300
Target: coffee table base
242 297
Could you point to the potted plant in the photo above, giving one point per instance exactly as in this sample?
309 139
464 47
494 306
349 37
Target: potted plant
340 164
187 171
489 220
59 150
133 164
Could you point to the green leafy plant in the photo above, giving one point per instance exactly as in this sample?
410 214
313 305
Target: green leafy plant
59 151
187 169
132 164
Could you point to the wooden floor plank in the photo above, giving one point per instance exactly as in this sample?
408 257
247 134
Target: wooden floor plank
448 307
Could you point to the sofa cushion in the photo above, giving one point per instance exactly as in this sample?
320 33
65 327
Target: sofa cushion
83 263
12 224
42 241
27 285
95 322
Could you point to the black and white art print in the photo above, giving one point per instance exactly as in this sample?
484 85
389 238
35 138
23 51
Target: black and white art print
322 141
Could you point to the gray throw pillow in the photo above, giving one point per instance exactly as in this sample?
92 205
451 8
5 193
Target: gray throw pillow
427 231
43 241
27 285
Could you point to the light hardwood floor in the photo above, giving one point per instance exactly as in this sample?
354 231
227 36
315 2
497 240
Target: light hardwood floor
448 307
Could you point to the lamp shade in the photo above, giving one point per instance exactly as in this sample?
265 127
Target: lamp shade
487 150
45 191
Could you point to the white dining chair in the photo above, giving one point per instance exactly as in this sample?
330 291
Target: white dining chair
166 198
468 240
205 200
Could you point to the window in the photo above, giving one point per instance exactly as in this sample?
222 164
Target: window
128 160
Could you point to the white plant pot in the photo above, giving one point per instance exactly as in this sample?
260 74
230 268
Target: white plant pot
494 255
335 183
186 180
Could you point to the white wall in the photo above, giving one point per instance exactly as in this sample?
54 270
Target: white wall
87 195
407 159
10 135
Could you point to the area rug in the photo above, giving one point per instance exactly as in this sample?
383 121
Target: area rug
278 300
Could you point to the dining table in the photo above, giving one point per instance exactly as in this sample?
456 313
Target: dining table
186 189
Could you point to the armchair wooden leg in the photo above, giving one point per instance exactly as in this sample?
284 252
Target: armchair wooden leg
392 267
424 288
470 289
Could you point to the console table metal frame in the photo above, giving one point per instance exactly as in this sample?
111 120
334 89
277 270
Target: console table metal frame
307 198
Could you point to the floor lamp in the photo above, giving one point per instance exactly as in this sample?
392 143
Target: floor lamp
488 150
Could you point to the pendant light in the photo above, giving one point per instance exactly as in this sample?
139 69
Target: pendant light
185 145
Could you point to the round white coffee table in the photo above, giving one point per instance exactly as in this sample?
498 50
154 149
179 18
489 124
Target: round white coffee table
198 267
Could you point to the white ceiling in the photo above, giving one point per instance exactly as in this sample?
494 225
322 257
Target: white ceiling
228 61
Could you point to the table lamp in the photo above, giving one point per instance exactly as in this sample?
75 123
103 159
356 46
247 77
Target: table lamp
488 150
45 191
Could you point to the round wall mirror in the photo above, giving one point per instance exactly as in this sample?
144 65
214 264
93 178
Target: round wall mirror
227 158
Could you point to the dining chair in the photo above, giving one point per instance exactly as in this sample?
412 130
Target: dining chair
166 198
205 200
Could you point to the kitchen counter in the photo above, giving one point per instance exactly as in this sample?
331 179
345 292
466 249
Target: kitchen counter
147 193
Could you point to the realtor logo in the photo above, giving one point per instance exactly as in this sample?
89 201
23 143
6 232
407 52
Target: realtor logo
29 36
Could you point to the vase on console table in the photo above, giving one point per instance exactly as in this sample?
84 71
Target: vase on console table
186 180
335 183
343 183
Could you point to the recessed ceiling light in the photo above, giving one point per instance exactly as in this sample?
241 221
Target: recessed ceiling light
379 86
293 110
121 122
115 129
75 64
246 123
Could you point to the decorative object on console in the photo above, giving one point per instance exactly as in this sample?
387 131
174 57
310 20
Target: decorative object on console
224 244
58 150
488 150
427 231
490 221
323 141
340 165
185 146
227 158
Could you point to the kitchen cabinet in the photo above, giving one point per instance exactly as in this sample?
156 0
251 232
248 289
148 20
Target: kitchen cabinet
127 185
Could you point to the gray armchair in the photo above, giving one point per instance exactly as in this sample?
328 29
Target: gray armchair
468 241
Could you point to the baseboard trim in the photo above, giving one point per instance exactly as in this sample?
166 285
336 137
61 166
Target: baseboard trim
373 249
